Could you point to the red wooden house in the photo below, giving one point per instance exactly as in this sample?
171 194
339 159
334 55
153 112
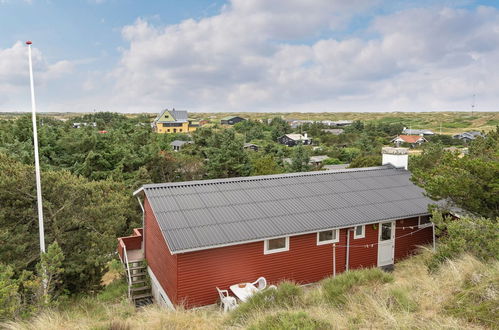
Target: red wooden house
201 235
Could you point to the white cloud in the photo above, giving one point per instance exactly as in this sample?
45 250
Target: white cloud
248 58
14 74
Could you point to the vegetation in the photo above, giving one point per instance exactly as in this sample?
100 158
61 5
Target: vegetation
470 182
89 174
461 294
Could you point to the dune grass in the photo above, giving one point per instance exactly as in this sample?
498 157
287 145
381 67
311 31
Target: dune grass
461 294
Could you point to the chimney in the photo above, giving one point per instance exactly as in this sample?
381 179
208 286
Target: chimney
398 157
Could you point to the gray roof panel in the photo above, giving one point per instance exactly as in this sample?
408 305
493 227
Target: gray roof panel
204 214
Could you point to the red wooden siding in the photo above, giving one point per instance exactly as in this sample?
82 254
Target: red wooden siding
362 256
157 254
407 245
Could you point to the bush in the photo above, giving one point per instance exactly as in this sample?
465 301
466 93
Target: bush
478 299
477 236
286 320
337 288
9 297
286 295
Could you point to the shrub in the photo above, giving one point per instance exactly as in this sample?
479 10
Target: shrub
286 295
9 298
286 320
478 236
337 288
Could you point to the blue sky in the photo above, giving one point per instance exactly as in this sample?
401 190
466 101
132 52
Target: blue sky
251 55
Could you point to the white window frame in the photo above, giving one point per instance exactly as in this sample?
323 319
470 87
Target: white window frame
363 235
335 240
266 246
424 225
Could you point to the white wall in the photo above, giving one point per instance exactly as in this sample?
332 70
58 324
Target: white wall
396 160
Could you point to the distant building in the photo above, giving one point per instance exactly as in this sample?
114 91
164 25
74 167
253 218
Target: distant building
413 140
178 144
250 146
173 121
334 131
317 160
468 136
293 139
80 125
408 131
231 120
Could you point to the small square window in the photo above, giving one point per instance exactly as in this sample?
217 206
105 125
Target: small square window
274 245
328 236
360 232
424 221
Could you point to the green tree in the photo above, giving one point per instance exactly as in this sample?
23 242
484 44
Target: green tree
365 161
85 217
470 182
226 157
263 165
50 271
300 159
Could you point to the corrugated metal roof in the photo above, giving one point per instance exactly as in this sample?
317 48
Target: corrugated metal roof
205 214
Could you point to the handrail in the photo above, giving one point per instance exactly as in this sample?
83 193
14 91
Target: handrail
127 268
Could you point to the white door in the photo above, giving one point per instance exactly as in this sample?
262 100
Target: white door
386 243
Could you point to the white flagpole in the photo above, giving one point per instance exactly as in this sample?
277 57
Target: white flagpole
37 161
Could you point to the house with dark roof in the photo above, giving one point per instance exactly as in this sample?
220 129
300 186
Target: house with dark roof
293 139
250 146
231 120
468 136
201 235
413 140
178 144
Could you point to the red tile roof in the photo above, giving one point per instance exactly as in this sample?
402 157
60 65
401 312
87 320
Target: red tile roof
410 138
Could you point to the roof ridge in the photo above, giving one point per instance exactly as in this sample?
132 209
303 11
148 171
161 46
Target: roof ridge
265 177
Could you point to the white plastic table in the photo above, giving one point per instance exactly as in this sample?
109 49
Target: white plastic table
243 293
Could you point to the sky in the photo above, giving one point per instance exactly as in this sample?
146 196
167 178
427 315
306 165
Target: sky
251 55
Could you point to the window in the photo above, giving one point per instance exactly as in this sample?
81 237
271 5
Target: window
360 232
328 236
386 231
181 130
424 221
276 245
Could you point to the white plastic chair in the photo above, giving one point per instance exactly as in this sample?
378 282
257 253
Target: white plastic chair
229 303
260 284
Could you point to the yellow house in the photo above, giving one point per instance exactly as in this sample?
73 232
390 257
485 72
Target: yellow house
173 121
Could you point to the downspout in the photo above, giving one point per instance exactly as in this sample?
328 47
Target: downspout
348 249
143 229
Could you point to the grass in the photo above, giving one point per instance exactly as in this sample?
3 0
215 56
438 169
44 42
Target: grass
461 294
337 289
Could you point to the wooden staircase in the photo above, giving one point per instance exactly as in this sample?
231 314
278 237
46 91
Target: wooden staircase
139 287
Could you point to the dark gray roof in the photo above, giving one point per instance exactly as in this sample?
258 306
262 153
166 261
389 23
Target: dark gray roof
179 143
204 214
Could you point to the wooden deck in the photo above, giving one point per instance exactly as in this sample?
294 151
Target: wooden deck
135 255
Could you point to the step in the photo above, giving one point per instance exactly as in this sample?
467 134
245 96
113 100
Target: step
142 296
137 267
138 274
139 288
138 281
